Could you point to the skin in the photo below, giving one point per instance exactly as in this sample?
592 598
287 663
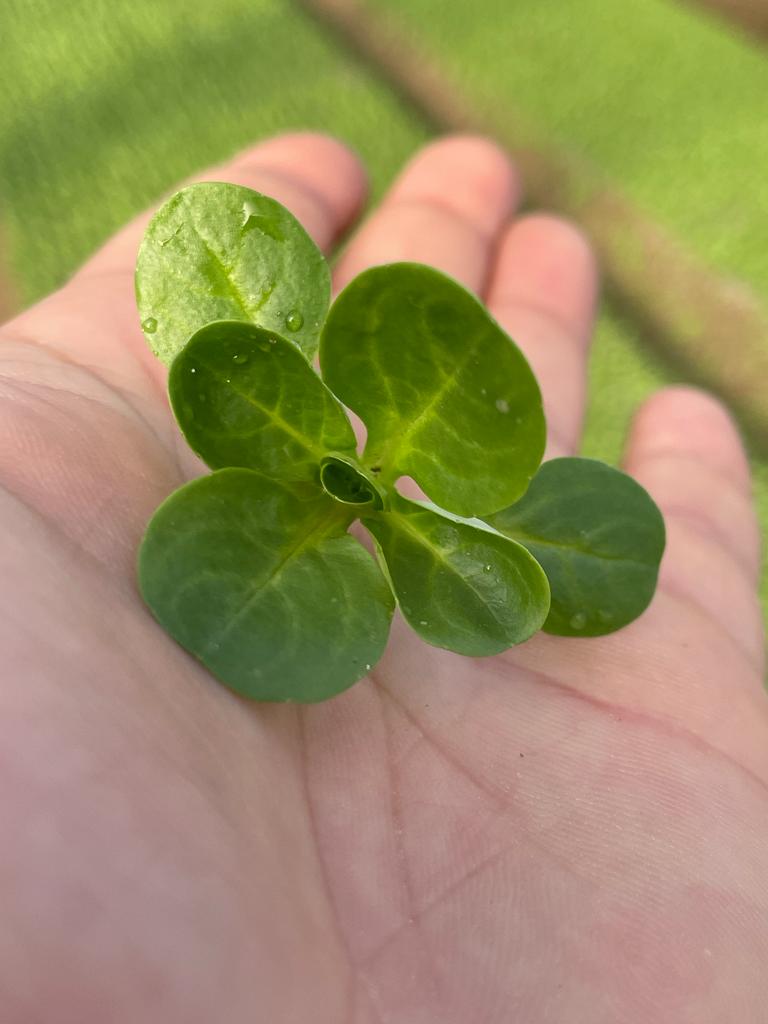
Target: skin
574 831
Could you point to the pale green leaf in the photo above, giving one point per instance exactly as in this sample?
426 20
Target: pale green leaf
217 251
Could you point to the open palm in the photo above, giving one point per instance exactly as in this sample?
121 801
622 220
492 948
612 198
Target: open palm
573 831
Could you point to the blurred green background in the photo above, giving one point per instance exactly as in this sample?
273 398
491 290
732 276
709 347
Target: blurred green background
103 106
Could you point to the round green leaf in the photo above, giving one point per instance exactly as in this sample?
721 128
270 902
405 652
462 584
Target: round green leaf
459 585
445 394
217 251
244 396
599 537
260 581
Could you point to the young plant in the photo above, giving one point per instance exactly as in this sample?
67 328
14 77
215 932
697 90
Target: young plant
252 568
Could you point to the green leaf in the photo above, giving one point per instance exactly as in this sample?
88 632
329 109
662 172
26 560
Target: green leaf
458 584
244 396
260 581
599 537
446 396
216 251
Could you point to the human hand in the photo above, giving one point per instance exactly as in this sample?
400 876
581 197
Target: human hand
572 831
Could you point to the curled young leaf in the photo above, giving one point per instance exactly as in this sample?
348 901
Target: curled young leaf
460 586
599 537
260 581
217 251
446 396
244 396
344 479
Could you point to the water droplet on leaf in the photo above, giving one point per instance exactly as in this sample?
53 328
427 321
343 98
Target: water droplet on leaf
149 326
241 358
604 616
579 620
502 405
249 210
193 369
423 622
294 320
486 568
367 668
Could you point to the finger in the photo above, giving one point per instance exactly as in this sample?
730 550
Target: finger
685 450
543 293
446 209
93 319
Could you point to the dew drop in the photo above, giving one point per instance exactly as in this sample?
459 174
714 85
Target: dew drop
367 668
423 622
502 405
578 621
149 326
264 346
193 369
294 320
486 568
249 210
241 358
483 391
604 616
228 380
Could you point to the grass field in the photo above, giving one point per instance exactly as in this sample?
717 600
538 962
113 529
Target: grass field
103 106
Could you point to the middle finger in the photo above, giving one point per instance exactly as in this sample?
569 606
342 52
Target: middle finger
447 209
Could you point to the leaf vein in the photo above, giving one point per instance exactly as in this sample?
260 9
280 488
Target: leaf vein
227 274
404 438
259 586
525 538
271 412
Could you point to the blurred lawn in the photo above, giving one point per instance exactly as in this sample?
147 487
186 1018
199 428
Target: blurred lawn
103 106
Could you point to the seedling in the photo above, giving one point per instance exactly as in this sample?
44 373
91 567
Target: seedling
252 568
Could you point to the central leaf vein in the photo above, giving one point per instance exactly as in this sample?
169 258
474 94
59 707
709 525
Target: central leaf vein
442 557
226 274
325 526
271 412
400 442
526 538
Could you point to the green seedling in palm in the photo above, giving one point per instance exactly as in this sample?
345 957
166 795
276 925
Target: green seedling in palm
253 568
